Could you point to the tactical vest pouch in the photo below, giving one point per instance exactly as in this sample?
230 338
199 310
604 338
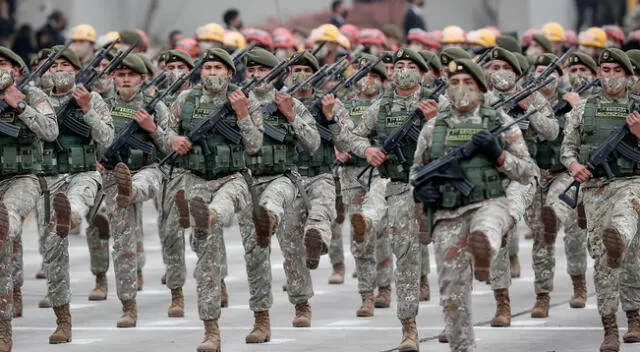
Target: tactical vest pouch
532 147
10 160
49 162
76 158
27 159
195 160
137 159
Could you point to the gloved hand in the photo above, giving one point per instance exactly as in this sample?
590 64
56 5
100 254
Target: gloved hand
428 195
488 145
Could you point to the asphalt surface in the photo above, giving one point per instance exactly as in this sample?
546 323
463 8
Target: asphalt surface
334 327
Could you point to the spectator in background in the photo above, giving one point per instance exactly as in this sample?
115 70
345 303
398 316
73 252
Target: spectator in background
51 33
232 20
414 18
339 12
174 37
23 43
7 19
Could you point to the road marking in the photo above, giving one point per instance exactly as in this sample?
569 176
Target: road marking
319 328
279 341
351 322
75 306
84 341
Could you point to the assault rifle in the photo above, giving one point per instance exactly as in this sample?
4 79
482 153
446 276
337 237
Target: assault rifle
563 107
549 70
238 55
155 82
509 103
612 148
215 120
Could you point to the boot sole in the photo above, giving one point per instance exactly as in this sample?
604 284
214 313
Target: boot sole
62 209
382 304
200 213
96 298
124 183
301 325
57 342
614 245
481 250
183 209
313 246
40 274
41 305
264 225
631 339
4 223
163 279
500 324
359 227
125 326
550 223
101 222
265 340
363 314
577 305
175 314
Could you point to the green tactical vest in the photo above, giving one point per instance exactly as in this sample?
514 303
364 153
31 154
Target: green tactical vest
168 101
356 108
318 162
600 121
21 155
274 157
123 113
79 153
481 172
224 158
388 121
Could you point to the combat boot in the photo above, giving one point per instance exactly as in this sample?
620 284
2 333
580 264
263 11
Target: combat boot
176 309
63 331
528 235
579 299
614 244
383 299
314 247
129 316
44 302
442 337
17 302
337 277
183 209
74 224
541 308
503 308
6 336
224 295
303 315
360 225
514 262
261 332
550 225
40 273
366 309
633 327
101 222
203 218
265 224
99 292
139 280
611 342
211 341
62 209
425 292
163 279
124 183
409 336
480 248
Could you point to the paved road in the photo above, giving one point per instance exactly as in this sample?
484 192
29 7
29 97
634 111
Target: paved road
334 327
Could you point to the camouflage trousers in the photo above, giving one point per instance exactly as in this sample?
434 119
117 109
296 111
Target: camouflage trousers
170 232
19 195
455 274
615 206
543 253
321 192
225 197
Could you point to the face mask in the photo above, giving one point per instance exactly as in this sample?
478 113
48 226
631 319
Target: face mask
295 78
127 93
613 85
463 96
428 80
45 82
532 53
369 86
503 80
62 79
103 85
6 78
406 78
216 84
578 79
174 75
205 46
262 89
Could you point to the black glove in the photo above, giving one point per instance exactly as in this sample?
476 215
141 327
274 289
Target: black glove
428 195
488 145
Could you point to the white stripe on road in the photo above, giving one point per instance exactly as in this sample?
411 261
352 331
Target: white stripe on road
321 328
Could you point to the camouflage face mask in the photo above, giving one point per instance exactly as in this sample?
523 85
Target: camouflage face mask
62 79
6 78
612 85
406 78
428 80
463 96
45 82
215 84
174 75
296 77
369 86
503 80
262 89
578 79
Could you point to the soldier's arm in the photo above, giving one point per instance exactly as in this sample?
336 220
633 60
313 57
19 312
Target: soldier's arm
39 116
99 119
544 121
162 116
518 165
423 148
574 125
162 136
304 126
252 128
359 141
338 137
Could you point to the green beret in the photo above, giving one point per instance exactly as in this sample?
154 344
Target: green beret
468 66
261 57
544 42
634 57
308 59
220 55
379 68
499 53
578 58
134 63
410 54
130 37
546 60
616 56
523 61
387 57
391 31
433 60
69 55
176 55
453 53
508 42
10 55
151 68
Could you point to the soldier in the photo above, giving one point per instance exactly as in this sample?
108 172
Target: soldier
581 69
32 112
387 59
79 182
275 188
634 85
216 189
83 42
469 230
610 205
